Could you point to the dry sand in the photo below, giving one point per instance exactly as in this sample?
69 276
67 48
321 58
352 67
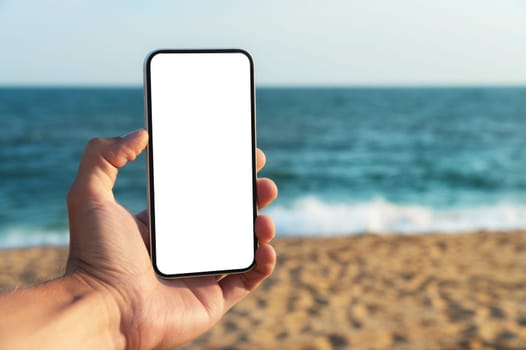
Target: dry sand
441 291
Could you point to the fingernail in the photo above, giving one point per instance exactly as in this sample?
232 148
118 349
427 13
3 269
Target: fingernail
131 135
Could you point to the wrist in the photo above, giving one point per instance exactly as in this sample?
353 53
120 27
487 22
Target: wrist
58 314
102 306
120 307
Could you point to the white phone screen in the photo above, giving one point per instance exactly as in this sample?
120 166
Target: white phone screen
201 160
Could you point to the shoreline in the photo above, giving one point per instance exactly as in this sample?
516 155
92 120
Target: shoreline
425 291
307 236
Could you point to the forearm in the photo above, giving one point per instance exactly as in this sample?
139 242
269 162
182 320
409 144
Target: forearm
62 314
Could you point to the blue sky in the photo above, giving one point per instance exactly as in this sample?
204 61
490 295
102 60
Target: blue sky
309 42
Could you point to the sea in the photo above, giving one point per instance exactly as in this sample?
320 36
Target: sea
346 160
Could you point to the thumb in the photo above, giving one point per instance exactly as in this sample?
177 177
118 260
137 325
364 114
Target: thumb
100 163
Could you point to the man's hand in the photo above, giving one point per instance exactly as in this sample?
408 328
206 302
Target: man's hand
109 253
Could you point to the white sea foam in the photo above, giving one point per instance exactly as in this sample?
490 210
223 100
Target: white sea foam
312 216
22 236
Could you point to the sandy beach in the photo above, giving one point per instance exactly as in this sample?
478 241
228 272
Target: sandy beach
438 291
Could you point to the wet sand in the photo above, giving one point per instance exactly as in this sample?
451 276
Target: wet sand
440 291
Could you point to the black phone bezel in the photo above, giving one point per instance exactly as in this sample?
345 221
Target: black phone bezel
150 165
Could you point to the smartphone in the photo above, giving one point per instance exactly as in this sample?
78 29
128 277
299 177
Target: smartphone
200 117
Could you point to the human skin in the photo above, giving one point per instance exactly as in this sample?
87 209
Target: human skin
110 297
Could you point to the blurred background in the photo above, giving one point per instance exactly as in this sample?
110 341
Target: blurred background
395 131
404 117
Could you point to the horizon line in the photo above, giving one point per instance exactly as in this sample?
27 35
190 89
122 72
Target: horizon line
273 86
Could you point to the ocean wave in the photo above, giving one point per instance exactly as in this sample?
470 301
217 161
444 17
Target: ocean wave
312 216
23 236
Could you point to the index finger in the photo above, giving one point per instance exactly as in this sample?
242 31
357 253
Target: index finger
260 159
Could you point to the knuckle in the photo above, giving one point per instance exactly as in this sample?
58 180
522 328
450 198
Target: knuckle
96 142
128 152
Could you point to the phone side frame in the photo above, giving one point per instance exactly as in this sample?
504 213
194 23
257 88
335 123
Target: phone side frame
149 159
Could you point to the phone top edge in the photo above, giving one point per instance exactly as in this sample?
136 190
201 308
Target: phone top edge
153 53
150 56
